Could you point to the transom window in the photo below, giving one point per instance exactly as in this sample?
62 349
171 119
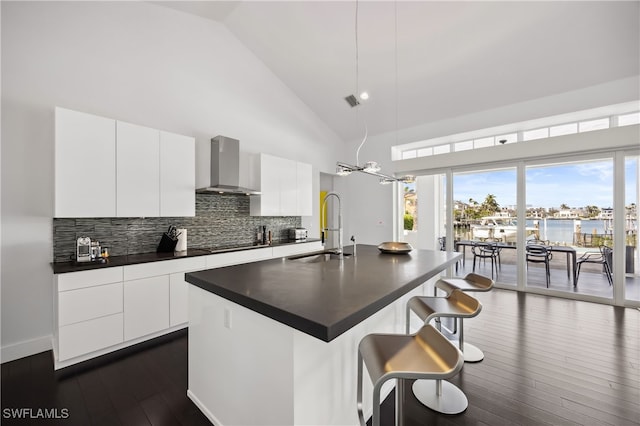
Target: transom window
431 147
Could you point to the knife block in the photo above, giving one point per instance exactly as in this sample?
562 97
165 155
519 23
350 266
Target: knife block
167 244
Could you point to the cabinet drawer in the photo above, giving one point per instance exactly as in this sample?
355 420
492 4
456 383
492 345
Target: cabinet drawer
290 250
83 279
165 267
88 303
238 257
88 336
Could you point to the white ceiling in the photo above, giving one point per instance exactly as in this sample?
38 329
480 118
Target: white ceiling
453 58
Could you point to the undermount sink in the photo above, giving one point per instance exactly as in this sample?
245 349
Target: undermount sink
318 257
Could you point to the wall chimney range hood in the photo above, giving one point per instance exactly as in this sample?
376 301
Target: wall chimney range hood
225 168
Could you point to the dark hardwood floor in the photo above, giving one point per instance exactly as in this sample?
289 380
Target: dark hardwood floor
548 361
145 385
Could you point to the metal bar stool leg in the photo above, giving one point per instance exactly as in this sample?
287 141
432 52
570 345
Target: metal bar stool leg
471 353
359 392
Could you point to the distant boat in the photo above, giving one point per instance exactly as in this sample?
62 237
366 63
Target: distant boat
501 227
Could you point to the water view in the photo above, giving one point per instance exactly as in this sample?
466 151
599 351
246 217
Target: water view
562 231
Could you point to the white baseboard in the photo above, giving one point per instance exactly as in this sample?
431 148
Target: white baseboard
208 414
26 348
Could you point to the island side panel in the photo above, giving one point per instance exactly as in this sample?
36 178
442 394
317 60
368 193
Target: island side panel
325 373
240 375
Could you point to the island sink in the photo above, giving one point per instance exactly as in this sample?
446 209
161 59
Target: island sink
324 256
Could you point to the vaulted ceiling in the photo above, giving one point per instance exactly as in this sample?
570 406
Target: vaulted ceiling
441 60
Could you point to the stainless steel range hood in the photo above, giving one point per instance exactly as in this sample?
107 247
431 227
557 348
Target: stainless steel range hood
225 168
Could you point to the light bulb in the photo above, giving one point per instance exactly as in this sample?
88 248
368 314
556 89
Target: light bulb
342 171
371 167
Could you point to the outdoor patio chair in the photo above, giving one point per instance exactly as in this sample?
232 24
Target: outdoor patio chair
603 257
537 241
537 253
486 250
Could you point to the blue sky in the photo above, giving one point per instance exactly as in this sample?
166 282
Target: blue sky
576 184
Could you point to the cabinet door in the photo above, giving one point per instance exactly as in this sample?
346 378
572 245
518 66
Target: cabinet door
138 170
178 299
288 188
85 165
177 175
146 306
282 183
269 198
304 189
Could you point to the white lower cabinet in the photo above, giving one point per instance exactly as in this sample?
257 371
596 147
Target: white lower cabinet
178 299
146 306
89 336
88 312
102 310
88 303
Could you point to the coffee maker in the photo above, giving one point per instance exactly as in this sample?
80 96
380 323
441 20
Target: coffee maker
83 249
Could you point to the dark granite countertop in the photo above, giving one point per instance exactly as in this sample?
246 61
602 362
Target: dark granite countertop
324 298
133 259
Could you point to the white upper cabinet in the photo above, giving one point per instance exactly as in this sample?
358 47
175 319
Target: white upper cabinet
138 170
289 189
85 165
304 189
268 174
285 186
177 175
109 168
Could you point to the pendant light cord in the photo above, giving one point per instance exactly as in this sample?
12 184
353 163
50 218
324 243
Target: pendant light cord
396 62
358 88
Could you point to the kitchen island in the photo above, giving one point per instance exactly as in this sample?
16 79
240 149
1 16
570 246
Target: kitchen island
274 342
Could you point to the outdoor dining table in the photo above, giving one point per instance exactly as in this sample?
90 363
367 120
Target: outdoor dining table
572 263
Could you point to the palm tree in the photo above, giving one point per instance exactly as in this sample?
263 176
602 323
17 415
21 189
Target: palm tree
490 203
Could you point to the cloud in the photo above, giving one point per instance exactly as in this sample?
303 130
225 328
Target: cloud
576 184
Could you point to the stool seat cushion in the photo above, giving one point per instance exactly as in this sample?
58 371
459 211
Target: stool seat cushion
426 355
457 304
471 282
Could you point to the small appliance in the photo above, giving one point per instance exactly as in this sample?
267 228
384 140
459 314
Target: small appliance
83 249
298 234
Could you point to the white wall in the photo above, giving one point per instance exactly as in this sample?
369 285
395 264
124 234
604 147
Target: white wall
132 61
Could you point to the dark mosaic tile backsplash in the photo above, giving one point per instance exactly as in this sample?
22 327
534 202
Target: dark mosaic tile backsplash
220 221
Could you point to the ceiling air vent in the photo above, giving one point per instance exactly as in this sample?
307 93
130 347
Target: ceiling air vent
352 101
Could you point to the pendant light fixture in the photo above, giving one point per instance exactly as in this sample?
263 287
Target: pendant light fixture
372 167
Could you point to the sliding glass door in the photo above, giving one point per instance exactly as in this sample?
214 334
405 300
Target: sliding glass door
485 223
631 252
548 227
571 205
